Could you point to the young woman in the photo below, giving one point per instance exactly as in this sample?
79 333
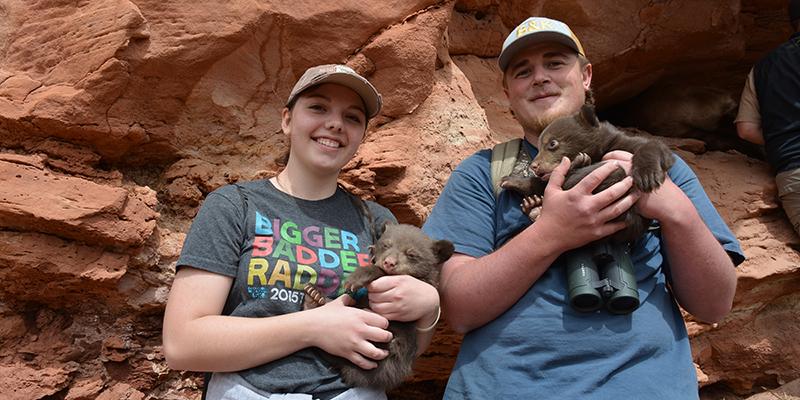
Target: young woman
236 305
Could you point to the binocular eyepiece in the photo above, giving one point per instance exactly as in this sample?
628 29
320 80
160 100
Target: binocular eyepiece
601 274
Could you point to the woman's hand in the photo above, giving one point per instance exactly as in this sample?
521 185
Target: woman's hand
347 332
403 298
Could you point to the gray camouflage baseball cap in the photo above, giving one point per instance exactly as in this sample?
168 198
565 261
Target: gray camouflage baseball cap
342 75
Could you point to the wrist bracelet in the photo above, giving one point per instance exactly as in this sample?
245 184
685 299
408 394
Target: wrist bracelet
433 325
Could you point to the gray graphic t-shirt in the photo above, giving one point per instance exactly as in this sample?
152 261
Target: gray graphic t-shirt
273 244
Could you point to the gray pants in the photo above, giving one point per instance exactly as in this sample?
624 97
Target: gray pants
788 183
231 386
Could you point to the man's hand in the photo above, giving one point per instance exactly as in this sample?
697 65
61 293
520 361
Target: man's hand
657 204
577 216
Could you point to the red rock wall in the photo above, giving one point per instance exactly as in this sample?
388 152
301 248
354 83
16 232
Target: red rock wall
118 117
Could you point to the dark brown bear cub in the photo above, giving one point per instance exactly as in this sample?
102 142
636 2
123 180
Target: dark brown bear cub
401 250
583 139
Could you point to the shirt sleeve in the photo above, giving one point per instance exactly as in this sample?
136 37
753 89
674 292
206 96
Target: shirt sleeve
465 211
214 242
685 178
748 104
380 215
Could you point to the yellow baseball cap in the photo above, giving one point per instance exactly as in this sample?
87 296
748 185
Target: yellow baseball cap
342 75
537 30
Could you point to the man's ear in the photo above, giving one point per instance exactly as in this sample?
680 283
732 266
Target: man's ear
586 76
286 119
443 250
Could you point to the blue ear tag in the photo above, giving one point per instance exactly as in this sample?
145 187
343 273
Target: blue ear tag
358 295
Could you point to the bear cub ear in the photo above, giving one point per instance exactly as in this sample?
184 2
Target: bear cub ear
384 225
443 250
589 116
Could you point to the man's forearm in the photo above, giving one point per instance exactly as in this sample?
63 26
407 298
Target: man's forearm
478 290
703 275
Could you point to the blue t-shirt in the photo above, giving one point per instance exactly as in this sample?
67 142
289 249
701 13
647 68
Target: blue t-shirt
541 348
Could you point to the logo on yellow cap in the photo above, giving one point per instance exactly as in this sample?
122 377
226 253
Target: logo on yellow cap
533 26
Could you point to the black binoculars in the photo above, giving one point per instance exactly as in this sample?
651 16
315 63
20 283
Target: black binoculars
601 273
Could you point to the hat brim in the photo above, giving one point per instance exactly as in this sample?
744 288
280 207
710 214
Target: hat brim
364 89
530 39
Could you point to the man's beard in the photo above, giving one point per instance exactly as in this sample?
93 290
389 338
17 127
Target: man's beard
538 123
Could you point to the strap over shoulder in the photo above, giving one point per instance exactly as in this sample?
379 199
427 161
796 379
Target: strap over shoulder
504 157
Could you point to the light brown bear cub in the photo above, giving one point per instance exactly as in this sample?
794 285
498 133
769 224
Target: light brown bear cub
401 250
583 139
